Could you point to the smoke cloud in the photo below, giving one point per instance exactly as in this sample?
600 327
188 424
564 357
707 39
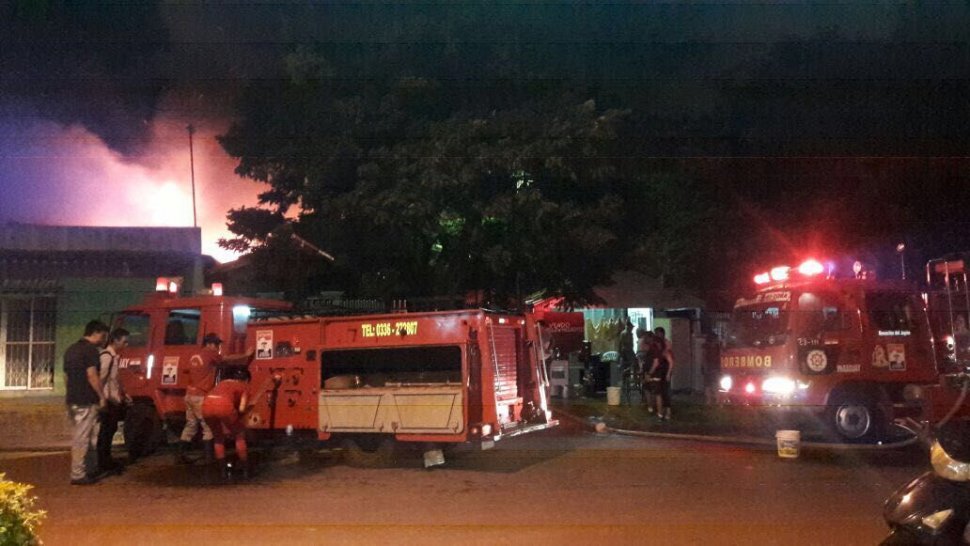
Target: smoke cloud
66 175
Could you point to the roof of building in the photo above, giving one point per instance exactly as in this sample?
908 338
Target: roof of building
35 237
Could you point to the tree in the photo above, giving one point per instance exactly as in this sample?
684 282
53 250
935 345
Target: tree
413 201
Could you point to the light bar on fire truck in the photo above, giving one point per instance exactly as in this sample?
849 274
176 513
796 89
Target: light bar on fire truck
781 273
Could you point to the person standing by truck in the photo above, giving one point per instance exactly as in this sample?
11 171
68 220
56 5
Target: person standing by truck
115 398
84 397
202 377
661 371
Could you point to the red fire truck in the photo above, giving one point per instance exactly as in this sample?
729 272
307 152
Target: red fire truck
843 349
439 378
166 333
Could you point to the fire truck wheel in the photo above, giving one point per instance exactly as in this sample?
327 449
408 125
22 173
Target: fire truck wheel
367 452
142 430
854 417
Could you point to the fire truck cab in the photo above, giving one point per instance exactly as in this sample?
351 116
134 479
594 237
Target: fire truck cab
441 377
842 349
166 332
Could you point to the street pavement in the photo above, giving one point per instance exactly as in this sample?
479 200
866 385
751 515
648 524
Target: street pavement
564 486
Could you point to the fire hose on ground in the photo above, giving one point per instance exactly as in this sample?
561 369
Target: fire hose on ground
602 427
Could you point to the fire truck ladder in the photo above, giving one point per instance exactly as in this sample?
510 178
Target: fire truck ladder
498 383
494 351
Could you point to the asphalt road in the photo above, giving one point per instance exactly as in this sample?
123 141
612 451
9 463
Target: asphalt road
557 487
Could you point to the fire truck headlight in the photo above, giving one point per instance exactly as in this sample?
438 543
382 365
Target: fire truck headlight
778 385
726 383
486 429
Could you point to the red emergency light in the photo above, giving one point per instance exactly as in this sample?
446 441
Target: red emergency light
170 285
217 289
810 268
782 273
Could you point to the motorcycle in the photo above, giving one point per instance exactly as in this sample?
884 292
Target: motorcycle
935 507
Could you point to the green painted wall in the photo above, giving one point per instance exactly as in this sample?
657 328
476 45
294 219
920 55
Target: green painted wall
82 300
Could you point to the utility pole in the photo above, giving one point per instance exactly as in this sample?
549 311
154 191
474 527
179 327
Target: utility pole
191 130
901 249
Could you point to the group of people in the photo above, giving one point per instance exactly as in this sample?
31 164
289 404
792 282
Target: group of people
96 401
654 361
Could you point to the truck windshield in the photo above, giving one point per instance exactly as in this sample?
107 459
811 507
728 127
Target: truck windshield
759 325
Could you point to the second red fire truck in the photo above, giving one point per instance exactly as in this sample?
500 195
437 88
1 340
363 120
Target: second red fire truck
856 352
436 378
843 349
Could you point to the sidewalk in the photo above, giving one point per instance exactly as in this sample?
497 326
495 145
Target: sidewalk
34 423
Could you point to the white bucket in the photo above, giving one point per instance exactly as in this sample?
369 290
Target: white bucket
613 396
789 442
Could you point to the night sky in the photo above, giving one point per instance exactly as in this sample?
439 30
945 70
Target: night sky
94 99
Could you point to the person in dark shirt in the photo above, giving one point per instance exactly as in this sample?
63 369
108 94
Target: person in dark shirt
85 396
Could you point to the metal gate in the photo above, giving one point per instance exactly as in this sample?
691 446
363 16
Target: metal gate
27 329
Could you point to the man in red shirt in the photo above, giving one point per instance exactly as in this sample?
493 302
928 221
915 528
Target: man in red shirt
202 377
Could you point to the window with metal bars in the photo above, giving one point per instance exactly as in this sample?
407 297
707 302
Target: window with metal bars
27 329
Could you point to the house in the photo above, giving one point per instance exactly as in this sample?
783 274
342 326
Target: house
647 304
54 279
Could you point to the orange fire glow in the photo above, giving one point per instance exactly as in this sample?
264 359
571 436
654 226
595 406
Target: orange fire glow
76 179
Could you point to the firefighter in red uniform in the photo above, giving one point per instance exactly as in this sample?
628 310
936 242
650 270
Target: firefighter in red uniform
224 409
202 377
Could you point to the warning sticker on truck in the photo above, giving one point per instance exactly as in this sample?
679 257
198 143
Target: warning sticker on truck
170 370
897 356
264 344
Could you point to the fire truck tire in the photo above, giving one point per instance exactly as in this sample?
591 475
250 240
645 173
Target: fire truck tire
368 453
142 431
854 416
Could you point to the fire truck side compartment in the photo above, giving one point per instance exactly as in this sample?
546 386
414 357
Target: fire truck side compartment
413 390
